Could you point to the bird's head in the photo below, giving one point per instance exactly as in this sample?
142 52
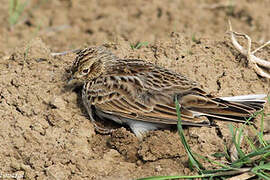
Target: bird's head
90 64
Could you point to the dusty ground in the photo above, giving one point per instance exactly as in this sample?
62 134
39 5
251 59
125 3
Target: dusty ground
44 130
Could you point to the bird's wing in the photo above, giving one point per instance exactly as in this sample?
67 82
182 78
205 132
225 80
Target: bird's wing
144 106
142 92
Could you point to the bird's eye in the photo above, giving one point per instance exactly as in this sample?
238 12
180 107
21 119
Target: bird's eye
85 71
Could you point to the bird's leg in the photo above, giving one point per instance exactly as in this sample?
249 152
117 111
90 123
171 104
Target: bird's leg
97 128
101 130
253 61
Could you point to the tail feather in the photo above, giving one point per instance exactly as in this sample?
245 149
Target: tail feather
256 105
255 101
251 97
238 108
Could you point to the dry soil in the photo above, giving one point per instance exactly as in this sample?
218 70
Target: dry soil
45 132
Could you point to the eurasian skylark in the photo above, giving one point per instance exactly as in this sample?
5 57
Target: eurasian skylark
142 95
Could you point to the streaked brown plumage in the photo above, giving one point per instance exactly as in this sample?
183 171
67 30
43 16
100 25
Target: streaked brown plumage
141 95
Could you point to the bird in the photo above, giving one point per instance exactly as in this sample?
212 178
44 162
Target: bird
142 95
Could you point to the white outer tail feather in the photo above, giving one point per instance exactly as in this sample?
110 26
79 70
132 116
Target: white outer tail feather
250 97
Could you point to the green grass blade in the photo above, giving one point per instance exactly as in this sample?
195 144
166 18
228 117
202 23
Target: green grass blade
225 167
250 144
263 167
260 134
15 10
11 6
261 151
138 45
194 162
259 171
236 143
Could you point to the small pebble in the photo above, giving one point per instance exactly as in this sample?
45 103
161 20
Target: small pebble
58 102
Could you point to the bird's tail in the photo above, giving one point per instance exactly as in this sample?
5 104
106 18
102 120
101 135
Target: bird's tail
235 108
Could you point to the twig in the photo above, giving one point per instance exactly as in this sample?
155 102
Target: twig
65 52
253 61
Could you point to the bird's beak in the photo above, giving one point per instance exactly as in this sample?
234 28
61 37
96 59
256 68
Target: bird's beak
70 81
74 82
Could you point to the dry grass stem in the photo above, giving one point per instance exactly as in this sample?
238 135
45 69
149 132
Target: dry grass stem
244 176
65 52
253 61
